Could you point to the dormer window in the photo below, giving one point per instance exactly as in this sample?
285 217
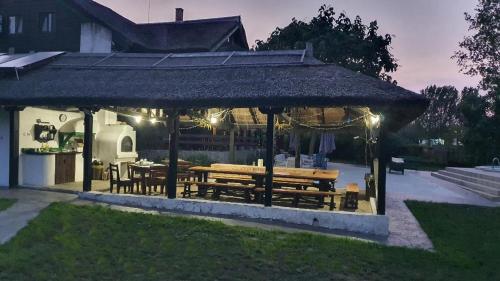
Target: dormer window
47 22
15 25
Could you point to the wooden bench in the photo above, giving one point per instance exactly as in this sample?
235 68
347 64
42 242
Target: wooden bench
278 182
299 194
226 178
218 188
351 196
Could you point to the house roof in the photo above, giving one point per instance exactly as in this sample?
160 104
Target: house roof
204 80
185 36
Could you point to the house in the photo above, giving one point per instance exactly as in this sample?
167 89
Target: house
88 27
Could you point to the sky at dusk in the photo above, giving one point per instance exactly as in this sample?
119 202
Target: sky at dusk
426 32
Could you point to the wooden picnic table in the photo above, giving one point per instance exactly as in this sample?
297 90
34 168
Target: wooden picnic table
326 178
143 171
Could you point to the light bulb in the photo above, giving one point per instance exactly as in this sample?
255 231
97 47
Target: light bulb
138 119
375 120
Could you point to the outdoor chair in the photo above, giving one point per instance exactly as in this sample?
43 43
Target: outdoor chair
134 177
157 177
320 161
397 164
115 179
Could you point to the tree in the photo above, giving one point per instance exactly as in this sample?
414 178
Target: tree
340 40
480 53
480 139
440 120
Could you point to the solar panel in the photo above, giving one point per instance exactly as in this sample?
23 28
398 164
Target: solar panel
7 58
30 59
161 61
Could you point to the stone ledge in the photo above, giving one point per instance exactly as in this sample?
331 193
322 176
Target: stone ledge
361 223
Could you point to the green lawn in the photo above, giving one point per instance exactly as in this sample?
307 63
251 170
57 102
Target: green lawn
68 242
6 203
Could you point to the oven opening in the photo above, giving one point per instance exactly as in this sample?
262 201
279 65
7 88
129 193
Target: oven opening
127 144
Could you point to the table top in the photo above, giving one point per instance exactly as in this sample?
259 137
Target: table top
147 167
297 173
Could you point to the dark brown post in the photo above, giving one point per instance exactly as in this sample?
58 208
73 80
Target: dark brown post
173 127
232 148
269 161
88 124
14 145
297 148
382 165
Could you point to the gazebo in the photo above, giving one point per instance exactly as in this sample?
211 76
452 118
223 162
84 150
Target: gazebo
265 82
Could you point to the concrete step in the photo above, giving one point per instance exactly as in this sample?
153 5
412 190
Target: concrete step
472 179
474 173
486 195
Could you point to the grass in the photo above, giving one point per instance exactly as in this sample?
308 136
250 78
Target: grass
6 203
68 242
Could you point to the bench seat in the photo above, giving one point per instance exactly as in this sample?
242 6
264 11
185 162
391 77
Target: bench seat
299 194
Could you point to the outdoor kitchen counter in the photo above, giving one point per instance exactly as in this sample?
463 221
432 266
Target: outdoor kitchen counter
44 169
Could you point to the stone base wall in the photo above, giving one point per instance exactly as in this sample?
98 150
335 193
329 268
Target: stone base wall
361 223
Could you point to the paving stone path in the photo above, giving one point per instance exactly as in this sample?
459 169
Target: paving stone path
28 206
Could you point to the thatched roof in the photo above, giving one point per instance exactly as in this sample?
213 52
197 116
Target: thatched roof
184 36
237 79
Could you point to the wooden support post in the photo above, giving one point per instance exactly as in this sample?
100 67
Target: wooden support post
14 145
312 143
297 149
382 165
269 161
88 124
173 127
232 149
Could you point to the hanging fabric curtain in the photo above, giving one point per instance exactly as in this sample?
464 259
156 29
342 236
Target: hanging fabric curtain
327 143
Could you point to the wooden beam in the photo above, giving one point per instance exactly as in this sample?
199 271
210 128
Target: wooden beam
268 198
269 161
87 149
14 145
383 156
297 148
232 149
173 127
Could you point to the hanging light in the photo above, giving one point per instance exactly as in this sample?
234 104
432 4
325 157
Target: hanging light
138 119
214 120
375 120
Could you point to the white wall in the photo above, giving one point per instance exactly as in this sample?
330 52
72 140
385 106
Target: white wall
28 118
4 148
95 38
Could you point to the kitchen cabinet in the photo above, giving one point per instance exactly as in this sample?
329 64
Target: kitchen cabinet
65 168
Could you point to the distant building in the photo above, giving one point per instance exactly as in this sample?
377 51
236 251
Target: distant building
88 27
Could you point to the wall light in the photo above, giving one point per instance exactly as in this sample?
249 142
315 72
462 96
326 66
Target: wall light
138 119
153 120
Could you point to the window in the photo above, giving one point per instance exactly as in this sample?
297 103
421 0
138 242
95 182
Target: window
15 25
47 22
